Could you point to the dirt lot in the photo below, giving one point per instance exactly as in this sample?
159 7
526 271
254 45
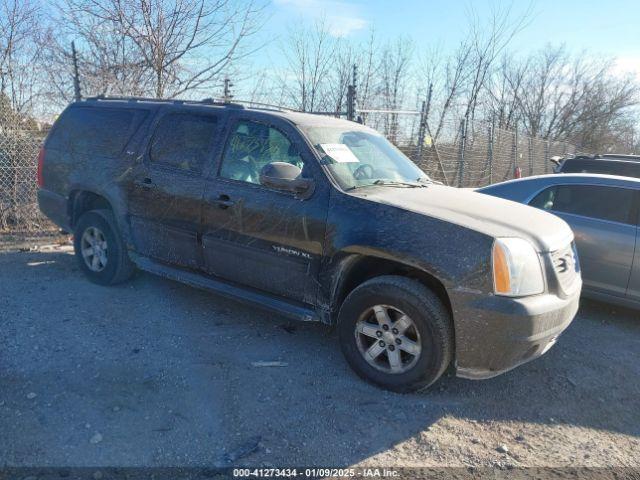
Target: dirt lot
154 373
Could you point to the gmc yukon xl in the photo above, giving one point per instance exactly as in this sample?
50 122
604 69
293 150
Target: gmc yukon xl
315 218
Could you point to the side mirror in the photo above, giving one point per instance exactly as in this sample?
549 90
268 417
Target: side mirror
286 177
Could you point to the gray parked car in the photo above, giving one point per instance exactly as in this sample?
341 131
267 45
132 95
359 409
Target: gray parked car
603 211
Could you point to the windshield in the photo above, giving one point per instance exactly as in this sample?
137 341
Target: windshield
361 157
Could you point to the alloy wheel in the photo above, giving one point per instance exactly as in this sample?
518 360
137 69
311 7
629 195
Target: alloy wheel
94 248
388 339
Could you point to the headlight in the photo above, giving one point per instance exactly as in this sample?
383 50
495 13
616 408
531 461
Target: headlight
516 268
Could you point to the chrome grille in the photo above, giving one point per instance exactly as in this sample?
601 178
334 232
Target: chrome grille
566 267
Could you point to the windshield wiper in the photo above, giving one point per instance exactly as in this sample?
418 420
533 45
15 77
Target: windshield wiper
394 183
388 183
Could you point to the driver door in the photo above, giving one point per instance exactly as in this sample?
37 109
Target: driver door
259 237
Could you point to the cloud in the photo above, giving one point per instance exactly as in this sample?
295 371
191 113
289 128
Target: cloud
625 65
342 18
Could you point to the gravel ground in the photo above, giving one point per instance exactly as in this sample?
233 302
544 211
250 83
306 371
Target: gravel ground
155 373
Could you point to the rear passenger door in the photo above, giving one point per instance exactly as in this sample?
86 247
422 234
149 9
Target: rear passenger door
603 219
166 191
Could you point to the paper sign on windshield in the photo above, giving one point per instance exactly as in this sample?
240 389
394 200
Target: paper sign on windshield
339 152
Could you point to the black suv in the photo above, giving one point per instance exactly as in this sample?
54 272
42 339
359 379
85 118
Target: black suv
316 218
608 164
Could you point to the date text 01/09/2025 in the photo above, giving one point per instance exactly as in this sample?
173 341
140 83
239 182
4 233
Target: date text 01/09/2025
315 472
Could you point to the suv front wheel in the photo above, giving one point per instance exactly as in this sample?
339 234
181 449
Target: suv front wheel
396 333
99 248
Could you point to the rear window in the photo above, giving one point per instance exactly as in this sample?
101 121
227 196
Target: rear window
604 203
95 131
625 169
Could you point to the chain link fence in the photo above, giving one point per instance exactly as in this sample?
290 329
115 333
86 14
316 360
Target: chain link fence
468 154
20 140
465 154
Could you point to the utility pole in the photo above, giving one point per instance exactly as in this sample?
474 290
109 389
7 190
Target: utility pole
77 94
351 95
517 172
227 96
530 152
463 145
547 159
422 130
491 133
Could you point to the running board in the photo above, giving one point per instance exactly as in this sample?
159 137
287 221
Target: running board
225 289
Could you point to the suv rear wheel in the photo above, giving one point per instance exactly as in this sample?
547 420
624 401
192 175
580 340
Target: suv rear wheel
100 250
396 333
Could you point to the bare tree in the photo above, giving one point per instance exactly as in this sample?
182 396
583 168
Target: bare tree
460 80
310 54
367 63
20 25
166 48
555 95
340 76
394 74
488 42
504 90
109 60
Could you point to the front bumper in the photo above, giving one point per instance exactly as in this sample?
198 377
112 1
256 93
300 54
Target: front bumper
495 334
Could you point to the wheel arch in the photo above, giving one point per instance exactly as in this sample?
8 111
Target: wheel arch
356 269
83 199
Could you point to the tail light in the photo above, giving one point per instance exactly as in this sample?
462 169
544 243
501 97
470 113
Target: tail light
40 165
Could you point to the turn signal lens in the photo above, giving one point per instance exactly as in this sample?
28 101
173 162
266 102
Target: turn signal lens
501 277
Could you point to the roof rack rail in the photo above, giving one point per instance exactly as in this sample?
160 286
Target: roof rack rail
206 101
622 156
265 106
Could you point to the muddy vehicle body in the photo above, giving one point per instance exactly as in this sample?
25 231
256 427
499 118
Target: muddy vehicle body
318 219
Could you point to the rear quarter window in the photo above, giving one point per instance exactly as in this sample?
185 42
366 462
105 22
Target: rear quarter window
95 131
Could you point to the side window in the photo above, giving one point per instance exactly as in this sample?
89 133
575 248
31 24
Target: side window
604 203
95 131
253 145
544 200
182 141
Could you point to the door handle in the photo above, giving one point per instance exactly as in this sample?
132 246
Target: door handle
145 183
223 201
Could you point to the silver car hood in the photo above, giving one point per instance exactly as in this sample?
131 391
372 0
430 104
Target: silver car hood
492 216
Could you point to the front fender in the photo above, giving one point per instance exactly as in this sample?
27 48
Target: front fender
458 257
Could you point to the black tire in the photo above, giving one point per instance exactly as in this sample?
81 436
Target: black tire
430 317
118 267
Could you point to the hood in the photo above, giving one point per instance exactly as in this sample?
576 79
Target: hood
489 215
